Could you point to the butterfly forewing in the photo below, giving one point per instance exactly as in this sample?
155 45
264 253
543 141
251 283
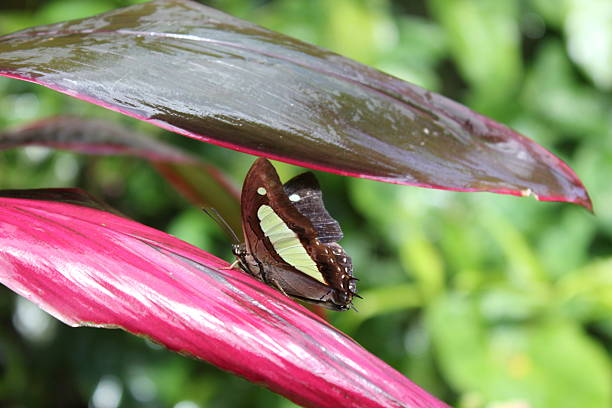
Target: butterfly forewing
275 231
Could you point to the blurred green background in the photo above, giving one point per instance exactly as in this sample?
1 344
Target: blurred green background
484 300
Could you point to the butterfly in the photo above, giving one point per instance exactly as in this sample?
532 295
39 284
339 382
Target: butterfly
291 241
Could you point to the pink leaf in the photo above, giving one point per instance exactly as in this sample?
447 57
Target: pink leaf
89 267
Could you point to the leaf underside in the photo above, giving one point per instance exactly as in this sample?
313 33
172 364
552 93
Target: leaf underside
196 71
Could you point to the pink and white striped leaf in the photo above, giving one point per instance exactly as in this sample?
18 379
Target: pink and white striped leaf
89 267
207 75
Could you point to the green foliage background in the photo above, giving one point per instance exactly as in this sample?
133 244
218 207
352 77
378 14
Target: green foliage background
484 300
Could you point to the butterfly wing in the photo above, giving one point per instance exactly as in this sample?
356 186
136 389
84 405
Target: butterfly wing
297 236
275 231
305 194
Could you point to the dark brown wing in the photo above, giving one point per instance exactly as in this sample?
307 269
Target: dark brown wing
263 175
305 194
262 187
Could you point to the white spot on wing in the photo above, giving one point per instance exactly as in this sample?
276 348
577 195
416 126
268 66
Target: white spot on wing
261 191
294 197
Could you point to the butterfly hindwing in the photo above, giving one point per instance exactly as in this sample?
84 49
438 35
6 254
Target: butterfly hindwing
305 194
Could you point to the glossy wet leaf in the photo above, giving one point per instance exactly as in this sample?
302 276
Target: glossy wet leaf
204 74
89 267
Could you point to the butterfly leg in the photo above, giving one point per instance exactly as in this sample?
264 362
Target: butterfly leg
231 266
275 284
266 277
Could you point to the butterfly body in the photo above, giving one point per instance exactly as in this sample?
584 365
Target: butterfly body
290 241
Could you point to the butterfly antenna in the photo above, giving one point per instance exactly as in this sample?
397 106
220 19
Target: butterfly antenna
221 222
